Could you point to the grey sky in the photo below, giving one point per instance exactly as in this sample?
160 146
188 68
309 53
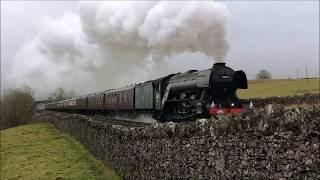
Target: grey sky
19 22
278 36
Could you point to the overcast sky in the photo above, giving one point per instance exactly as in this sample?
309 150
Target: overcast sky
277 36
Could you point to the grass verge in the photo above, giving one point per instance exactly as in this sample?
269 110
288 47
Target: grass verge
279 87
39 151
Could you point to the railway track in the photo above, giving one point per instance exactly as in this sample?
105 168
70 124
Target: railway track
122 122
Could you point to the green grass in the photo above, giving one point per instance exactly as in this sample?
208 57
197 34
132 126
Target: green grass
39 151
279 87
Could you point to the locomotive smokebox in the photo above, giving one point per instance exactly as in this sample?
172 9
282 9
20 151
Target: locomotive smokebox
225 78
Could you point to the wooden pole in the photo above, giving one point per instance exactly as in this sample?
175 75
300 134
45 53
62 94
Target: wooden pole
307 75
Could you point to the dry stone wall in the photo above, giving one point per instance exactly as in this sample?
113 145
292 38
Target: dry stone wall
286 100
270 143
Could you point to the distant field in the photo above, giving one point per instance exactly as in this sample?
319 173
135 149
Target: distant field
39 151
279 87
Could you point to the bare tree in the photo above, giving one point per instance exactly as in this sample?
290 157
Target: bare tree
17 107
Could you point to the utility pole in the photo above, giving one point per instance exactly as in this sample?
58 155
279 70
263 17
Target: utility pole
297 73
307 75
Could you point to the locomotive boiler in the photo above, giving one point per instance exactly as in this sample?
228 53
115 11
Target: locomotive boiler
175 97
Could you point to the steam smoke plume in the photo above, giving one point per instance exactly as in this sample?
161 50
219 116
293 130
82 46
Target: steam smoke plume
110 44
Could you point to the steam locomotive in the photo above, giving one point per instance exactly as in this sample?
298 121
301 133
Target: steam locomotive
175 97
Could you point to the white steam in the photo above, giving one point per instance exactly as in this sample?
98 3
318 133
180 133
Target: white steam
111 44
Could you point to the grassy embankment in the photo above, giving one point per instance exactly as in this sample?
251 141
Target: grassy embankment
39 151
279 87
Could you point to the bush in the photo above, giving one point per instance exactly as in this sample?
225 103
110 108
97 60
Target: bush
263 74
17 107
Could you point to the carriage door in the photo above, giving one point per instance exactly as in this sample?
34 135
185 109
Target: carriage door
157 94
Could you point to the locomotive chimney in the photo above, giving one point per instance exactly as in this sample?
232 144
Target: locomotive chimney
219 64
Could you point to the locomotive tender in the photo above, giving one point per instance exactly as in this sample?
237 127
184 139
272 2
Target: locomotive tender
176 97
